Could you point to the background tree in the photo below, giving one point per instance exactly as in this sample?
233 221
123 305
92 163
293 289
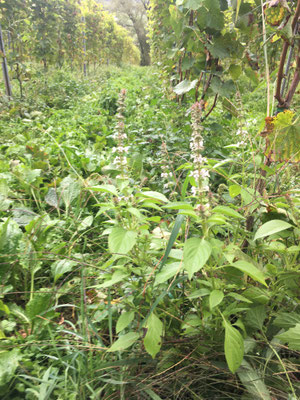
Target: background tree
51 32
132 14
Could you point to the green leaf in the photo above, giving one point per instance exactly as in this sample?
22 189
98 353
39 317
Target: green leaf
199 293
285 137
121 241
271 227
86 223
239 297
224 210
104 188
255 317
10 236
51 198
235 71
124 320
215 298
152 340
253 382
196 252
4 308
155 196
250 270
176 228
257 295
234 190
238 5
233 346
70 190
9 361
252 75
287 320
59 268
179 205
152 394
167 272
124 342
184 87
39 304
193 4
117 277
292 337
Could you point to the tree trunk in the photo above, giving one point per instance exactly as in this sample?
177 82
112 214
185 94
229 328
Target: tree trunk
4 67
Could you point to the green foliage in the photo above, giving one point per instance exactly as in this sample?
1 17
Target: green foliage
126 287
54 31
9 361
285 137
233 346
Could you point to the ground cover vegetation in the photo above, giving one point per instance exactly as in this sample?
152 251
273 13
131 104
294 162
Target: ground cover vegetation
149 232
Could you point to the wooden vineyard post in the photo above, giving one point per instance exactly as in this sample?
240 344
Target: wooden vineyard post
4 66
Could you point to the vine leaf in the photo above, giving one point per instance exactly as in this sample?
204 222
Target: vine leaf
185 86
285 137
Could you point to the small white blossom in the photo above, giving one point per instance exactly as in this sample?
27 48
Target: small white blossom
204 173
194 190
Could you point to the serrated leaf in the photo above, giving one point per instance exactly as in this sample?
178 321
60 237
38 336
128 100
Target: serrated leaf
233 346
124 320
255 317
59 268
292 337
193 4
271 227
287 320
225 210
167 272
235 71
124 342
252 75
70 190
179 205
215 298
239 297
253 382
121 241
104 188
9 361
117 277
86 223
285 138
152 340
10 237
155 196
257 295
184 87
196 252
51 198
251 270
39 304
